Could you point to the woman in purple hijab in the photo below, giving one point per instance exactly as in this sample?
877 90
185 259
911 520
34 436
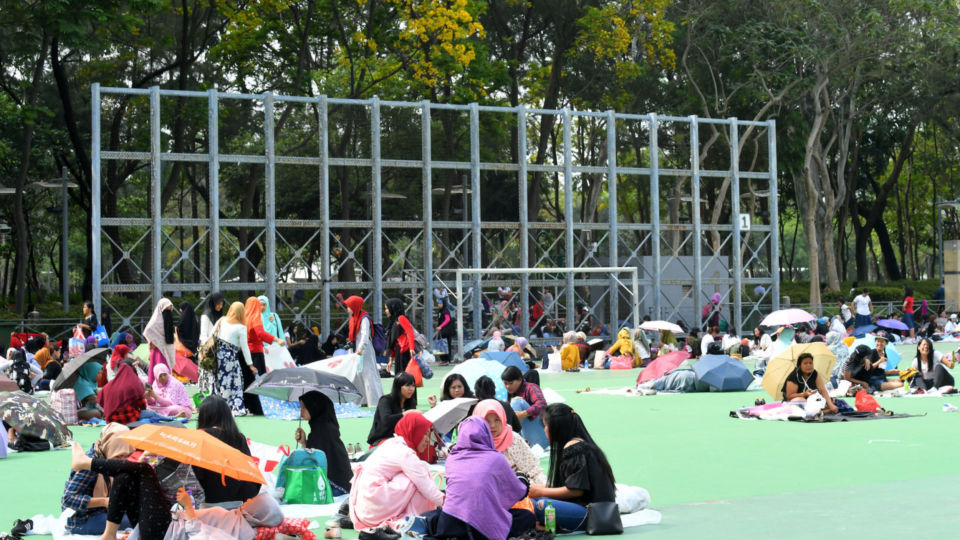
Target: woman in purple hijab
481 489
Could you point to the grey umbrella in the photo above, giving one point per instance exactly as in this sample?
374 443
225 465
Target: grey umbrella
71 371
289 384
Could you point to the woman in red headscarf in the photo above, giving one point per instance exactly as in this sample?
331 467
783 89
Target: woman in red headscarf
394 482
123 398
360 328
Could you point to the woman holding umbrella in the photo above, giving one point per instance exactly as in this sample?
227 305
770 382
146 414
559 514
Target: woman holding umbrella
804 381
317 409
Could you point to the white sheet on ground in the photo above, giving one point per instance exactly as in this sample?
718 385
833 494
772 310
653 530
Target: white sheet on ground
551 395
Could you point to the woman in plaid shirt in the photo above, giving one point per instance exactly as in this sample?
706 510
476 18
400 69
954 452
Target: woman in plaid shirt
87 493
527 399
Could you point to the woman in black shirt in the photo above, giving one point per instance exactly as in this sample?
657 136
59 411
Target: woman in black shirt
401 400
804 381
579 471
318 410
215 418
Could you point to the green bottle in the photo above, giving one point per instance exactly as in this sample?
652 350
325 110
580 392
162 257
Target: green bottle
550 518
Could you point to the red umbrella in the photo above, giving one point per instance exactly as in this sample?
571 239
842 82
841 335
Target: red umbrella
662 365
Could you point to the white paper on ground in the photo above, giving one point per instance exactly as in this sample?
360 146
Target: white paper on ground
552 396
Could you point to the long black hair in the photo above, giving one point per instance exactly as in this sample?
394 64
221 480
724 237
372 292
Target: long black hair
565 425
929 359
394 330
401 380
448 382
214 413
484 388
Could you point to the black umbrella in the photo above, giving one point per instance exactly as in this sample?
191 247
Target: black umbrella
289 384
71 371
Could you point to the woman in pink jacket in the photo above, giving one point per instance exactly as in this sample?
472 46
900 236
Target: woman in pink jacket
394 482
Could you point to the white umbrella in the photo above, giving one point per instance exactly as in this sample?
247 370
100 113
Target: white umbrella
783 317
448 413
661 325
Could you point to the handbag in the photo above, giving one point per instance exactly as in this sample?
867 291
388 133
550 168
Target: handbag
440 346
604 518
307 486
77 344
207 353
101 334
413 368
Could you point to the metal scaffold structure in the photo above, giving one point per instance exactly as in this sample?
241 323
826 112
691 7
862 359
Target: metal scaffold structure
690 202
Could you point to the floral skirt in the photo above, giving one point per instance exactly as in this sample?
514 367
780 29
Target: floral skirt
229 380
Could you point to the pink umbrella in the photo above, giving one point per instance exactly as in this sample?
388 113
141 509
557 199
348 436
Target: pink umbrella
662 365
783 317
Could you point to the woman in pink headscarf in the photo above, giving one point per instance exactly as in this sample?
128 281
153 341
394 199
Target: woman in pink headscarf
168 396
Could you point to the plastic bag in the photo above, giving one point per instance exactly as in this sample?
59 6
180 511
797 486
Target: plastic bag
866 402
814 405
77 344
277 357
101 334
413 368
632 499
425 368
65 402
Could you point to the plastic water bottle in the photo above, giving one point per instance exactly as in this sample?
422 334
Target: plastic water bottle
949 407
550 518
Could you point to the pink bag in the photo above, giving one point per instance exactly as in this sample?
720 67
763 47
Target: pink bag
621 362
65 402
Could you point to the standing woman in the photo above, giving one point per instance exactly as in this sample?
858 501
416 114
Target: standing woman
445 323
211 314
89 323
360 325
271 321
908 309
231 342
400 340
160 335
579 471
188 330
257 336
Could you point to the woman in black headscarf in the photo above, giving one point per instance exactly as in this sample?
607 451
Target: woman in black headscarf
317 409
188 330
216 307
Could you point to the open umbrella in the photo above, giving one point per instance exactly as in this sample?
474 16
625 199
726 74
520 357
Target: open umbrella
289 384
892 324
662 365
471 348
661 325
783 317
34 417
861 331
723 372
194 447
449 412
893 355
71 371
475 368
780 366
507 358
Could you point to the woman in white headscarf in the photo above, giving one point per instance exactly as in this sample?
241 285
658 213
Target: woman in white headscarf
160 335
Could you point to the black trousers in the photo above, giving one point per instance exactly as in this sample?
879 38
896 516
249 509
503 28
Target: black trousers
941 377
252 401
136 493
400 362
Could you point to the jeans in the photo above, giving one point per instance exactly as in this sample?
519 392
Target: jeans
531 428
96 524
570 516
862 320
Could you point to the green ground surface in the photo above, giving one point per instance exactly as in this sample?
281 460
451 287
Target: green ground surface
707 473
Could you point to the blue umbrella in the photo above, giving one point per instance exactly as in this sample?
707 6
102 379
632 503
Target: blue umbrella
475 368
723 373
507 358
861 331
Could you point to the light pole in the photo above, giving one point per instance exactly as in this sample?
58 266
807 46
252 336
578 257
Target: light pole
64 183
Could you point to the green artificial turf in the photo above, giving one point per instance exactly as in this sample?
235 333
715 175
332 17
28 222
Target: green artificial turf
706 472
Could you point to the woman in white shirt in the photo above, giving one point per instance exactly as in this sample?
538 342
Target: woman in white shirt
231 343
212 313
760 344
932 367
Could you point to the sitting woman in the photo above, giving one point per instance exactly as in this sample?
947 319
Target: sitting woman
454 386
124 398
496 342
87 493
51 368
215 418
86 390
528 401
481 489
401 401
569 353
668 342
394 482
804 381
931 366
168 395
579 471
760 343
135 494
624 346
508 443
318 410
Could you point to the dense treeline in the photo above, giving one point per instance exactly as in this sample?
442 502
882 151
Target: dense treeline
865 96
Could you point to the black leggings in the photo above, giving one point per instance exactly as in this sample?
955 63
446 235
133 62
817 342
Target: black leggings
400 362
135 493
252 401
941 377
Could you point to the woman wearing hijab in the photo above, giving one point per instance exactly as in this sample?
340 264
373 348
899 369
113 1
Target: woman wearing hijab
401 344
50 367
160 335
394 482
214 310
569 353
257 336
168 397
317 409
624 346
508 443
188 330
123 398
119 354
496 342
270 320
88 493
233 373
481 489
360 326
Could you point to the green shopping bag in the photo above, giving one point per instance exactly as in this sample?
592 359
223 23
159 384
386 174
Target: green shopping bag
307 486
198 399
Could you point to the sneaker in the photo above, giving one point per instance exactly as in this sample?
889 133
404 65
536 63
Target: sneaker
379 534
21 527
